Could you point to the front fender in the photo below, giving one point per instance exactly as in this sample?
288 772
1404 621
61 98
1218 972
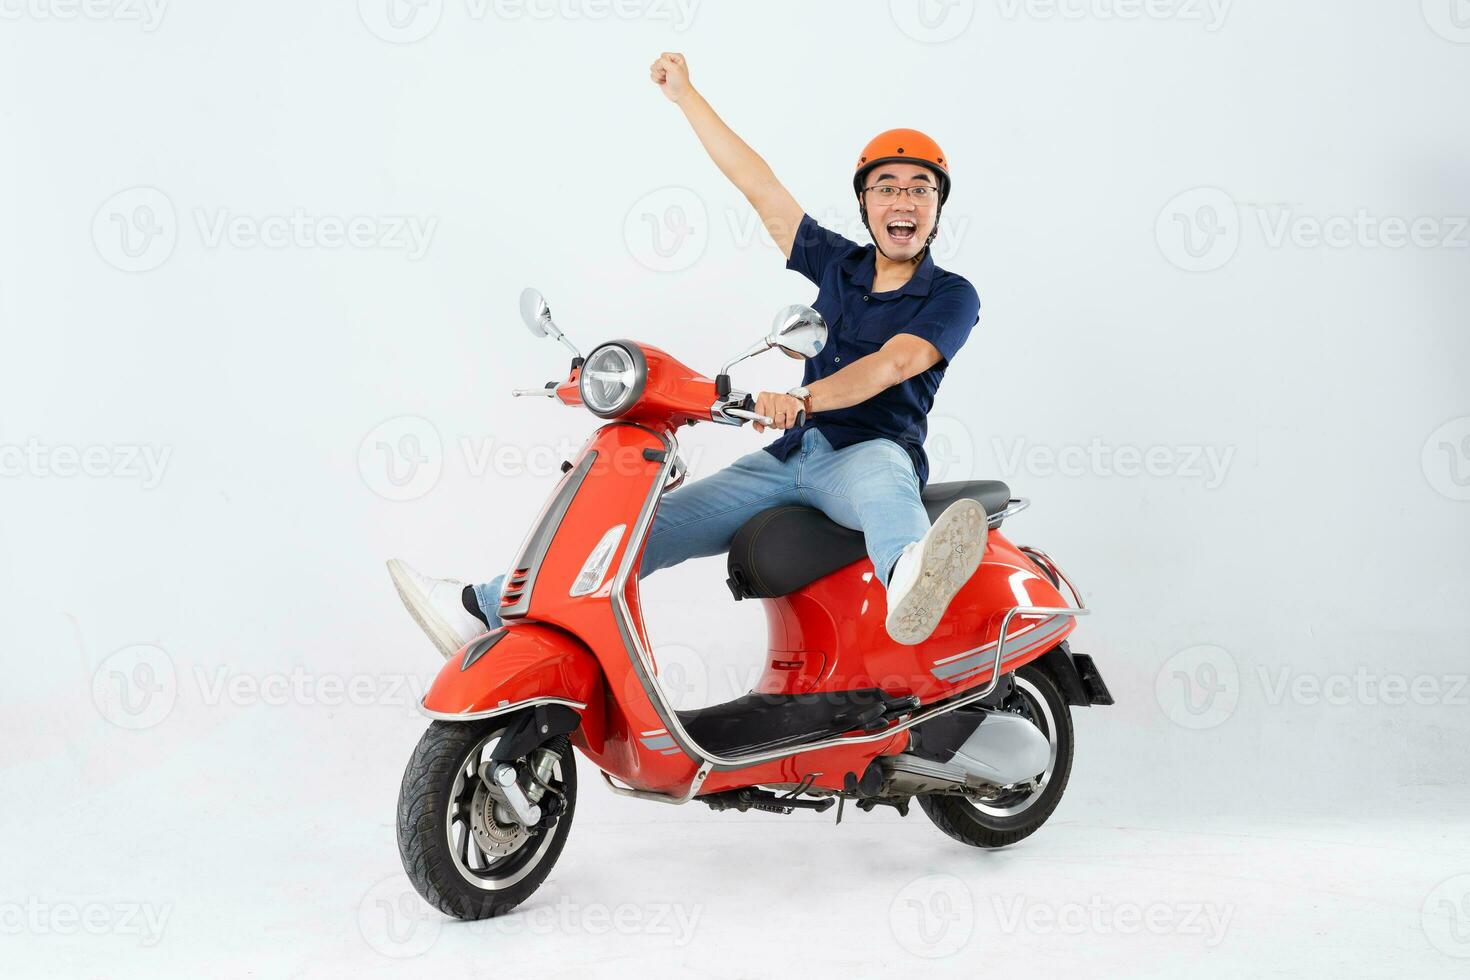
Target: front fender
526 664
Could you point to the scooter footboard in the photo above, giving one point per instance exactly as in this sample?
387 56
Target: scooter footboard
515 667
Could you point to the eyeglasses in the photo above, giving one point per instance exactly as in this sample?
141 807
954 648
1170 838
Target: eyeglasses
920 194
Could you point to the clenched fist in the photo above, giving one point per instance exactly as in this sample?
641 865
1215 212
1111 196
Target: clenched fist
779 408
671 74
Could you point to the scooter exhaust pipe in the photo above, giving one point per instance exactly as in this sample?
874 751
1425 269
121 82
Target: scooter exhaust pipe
1002 750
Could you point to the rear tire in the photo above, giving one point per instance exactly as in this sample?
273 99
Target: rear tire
1007 818
436 835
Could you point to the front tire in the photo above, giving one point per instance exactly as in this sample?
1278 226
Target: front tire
1007 817
444 816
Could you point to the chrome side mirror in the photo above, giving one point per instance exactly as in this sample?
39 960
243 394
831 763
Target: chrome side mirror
798 330
537 316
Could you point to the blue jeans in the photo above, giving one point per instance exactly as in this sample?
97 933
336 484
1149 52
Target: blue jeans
869 487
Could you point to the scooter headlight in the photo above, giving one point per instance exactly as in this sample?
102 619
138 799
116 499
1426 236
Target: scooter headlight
612 379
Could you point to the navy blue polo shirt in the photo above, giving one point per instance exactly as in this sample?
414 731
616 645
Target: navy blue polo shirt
938 306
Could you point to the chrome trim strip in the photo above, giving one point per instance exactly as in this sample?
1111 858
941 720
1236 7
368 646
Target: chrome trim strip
533 552
643 794
1013 506
1038 555
500 710
642 665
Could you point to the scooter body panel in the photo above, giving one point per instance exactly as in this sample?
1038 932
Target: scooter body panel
830 635
529 662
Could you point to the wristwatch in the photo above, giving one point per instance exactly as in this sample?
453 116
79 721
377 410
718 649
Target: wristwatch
805 395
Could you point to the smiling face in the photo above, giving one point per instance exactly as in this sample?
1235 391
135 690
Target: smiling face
899 224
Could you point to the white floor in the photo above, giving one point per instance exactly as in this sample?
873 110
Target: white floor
219 858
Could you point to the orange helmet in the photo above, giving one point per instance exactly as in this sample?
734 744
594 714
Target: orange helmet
903 146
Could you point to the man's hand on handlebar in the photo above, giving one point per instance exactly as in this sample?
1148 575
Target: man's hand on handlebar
781 408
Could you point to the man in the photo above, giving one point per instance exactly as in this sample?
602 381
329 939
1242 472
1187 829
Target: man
896 321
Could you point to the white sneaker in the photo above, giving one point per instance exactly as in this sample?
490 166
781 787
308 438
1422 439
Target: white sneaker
931 570
434 603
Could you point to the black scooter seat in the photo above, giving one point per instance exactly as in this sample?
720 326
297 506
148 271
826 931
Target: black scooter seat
784 549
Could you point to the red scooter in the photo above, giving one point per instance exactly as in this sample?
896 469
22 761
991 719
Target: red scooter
974 722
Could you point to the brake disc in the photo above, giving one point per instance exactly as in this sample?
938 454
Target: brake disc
496 831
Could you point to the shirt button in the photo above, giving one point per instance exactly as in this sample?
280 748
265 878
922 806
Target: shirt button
838 359
865 297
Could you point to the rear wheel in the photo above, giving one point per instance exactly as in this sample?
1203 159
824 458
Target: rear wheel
1009 815
463 850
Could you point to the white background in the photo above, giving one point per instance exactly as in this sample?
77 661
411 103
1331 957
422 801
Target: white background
210 679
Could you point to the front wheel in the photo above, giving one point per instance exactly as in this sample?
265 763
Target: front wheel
1009 815
463 851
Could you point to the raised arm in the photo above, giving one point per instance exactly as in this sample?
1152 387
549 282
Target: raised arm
745 168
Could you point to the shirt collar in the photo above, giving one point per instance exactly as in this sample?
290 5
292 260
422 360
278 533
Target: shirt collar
860 267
